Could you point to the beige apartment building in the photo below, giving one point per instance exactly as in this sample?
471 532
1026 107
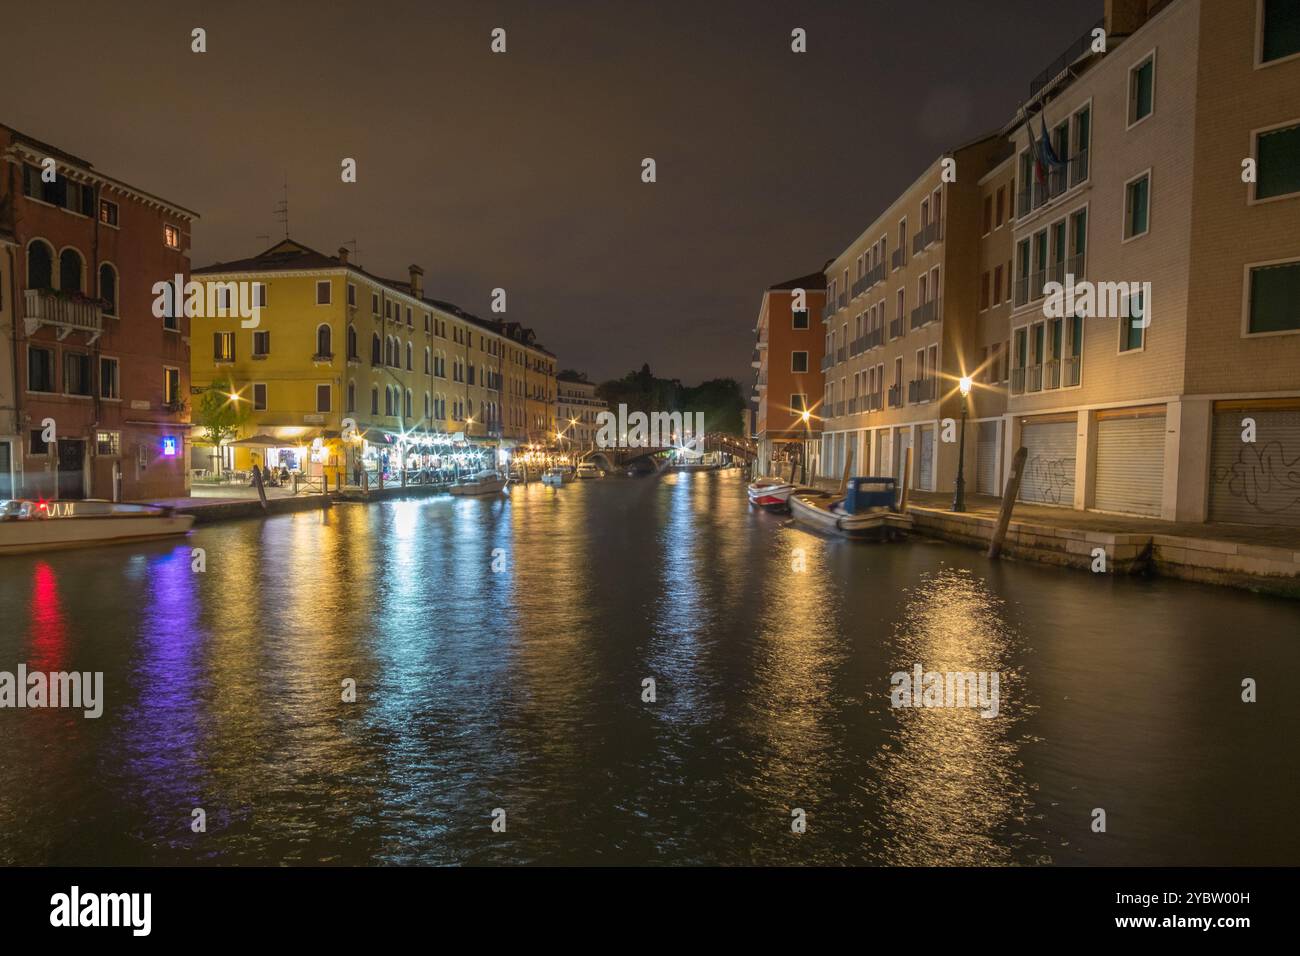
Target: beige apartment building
904 322
1176 394
577 409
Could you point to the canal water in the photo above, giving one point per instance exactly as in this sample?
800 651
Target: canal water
499 649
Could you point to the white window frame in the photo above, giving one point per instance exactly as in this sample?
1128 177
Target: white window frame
1146 329
1245 298
1253 198
329 299
1259 42
1128 97
1123 225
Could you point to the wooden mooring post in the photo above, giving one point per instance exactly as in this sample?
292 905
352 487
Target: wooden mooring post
1008 501
907 480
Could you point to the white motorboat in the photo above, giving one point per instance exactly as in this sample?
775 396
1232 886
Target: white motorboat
588 469
772 494
486 482
827 512
560 475
27 526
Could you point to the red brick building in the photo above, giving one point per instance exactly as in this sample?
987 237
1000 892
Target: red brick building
80 347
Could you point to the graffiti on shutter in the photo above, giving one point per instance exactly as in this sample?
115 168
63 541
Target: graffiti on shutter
1049 467
1256 482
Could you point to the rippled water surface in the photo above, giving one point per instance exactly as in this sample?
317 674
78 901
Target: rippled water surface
522 689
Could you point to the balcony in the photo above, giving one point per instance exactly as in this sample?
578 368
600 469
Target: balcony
841 354
875 402
853 405
875 275
1052 373
1018 381
1073 368
756 360
1035 195
926 313
323 358
921 390
873 339
895 396
827 362
842 302
857 346
1034 378
896 328
896 259
66 314
1081 47
829 310
839 409
930 233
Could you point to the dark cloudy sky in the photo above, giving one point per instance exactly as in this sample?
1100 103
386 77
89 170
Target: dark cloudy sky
522 170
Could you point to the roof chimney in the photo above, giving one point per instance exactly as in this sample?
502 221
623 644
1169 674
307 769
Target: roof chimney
417 281
1124 17
343 255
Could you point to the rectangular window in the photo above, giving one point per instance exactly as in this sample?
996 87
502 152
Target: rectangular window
352 294
1274 298
798 361
1278 158
1141 90
998 205
1280 30
1137 206
997 285
1133 324
800 319
108 381
40 369
259 396
108 444
798 402
323 292
108 212
171 386
261 344
259 295
171 237
37 444
374 302
223 346
76 373
322 398
1078 242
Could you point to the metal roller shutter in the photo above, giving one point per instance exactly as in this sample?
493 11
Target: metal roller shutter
1256 482
1131 465
1049 467
986 459
926 480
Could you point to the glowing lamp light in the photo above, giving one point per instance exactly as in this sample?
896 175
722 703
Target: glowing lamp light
964 385
805 416
169 447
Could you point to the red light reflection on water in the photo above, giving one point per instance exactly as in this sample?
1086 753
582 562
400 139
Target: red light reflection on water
48 631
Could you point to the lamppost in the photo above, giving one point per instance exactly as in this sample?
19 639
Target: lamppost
959 495
803 451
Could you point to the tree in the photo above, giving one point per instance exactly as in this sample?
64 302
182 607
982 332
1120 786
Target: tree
221 411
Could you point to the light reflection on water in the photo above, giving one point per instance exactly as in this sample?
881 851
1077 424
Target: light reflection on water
521 688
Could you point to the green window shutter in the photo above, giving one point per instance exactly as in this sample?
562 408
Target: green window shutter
1281 29
1279 163
1275 298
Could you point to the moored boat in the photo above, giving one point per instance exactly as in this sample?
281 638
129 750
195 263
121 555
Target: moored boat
486 482
867 512
27 526
557 476
772 494
588 469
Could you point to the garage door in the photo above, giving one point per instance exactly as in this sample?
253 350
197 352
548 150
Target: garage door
986 459
926 480
1130 463
880 460
1256 482
1049 467
902 442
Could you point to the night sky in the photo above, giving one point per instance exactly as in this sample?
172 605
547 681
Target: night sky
523 170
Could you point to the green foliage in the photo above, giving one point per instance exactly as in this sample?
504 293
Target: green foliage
219 414
720 399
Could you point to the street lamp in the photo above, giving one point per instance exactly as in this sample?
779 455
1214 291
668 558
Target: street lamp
803 452
959 495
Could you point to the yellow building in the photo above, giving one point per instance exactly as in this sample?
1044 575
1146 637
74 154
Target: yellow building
345 371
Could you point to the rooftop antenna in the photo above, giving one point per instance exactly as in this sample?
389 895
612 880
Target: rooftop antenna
281 210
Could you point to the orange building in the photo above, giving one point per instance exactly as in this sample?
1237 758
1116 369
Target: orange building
788 359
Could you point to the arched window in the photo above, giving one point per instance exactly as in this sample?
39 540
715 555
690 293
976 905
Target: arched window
407 407
374 394
352 342
374 349
426 361
388 400
108 288
40 265
324 341
426 405
71 267
408 357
